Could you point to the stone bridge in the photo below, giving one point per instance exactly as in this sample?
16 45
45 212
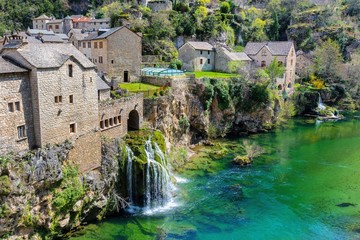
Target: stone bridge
118 116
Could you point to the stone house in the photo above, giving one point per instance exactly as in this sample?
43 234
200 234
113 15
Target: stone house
115 52
51 93
97 24
80 22
76 35
263 53
304 63
40 22
202 56
197 56
61 92
223 57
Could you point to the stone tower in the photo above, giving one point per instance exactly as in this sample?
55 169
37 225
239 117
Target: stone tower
68 24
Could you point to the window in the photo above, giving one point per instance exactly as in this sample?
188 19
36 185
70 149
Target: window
201 52
280 87
95 44
100 44
56 26
84 44
21 132
100 59
90 79
101 124
208 52
201 61
263 52
115 120
112 61
72 128
292 61
263 63
89 44
17 106
111 121
71 98
292 52
70 67
106 123
11 107
58 99
119 119
208 61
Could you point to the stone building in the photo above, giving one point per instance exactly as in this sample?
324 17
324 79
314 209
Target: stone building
97 24
40 22
116 53
223 57
304 63
51 93
197 56
76 35
202 56
263 53
80 22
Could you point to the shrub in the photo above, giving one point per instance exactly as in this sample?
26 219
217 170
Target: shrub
155 94
184 123
162 93
71 189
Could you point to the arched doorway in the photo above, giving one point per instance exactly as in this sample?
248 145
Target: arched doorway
133 121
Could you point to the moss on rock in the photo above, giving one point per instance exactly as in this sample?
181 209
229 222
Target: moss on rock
5 186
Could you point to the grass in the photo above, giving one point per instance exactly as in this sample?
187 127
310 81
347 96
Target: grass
213 74
138 87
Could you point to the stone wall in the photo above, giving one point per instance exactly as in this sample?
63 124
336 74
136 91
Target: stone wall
14 90
124 54
119 109
55 118
173 82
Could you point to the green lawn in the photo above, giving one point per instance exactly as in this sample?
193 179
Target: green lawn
138 87
213 74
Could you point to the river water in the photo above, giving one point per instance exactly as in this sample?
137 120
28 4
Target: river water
307 186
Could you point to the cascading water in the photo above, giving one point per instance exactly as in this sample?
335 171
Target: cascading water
129 170
157 185
321 105
157 179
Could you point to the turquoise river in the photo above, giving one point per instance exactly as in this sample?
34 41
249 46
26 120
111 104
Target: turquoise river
307 186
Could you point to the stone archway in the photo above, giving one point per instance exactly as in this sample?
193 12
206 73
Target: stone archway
133 121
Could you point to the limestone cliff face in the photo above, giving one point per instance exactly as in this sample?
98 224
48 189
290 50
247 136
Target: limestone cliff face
42 192
167 113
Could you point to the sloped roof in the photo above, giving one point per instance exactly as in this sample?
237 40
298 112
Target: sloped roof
108 33
100 20
201 46
8 67
236 56
100 84
276 48
39 31
63 36
78 34
52 55
55 21
42 17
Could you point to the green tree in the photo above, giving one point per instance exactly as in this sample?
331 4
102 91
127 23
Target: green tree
225 7
328 61
274 70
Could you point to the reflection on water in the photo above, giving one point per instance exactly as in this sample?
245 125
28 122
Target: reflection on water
305 187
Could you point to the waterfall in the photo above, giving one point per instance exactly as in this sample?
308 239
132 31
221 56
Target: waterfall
321 105
157 177
129 170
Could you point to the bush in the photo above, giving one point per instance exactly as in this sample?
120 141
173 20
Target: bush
184 123
162 93
225 7
155 94
71 189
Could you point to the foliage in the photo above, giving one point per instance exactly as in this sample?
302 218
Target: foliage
328 61
252 149
70 191
274 70
176 64
225 7
316 82
184 123
212 131
5 185
219 89
236 66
